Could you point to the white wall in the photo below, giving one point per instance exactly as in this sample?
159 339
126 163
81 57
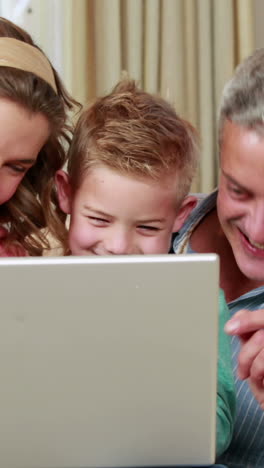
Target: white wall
44 20
53 25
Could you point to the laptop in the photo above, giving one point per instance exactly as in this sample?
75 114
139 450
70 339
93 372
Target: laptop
108 361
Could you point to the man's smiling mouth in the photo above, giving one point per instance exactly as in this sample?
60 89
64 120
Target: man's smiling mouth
250 242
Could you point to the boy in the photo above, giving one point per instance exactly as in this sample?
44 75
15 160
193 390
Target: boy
130 168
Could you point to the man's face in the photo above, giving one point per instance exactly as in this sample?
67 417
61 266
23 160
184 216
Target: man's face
240 201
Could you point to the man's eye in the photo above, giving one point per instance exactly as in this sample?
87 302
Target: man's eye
237 191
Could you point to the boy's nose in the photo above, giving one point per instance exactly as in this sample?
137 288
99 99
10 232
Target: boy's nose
119 243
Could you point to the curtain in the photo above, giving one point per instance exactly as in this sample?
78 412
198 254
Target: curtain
183 49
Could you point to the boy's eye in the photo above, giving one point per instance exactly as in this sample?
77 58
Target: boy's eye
149 228
97 220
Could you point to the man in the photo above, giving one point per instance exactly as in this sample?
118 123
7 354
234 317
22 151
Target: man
230 222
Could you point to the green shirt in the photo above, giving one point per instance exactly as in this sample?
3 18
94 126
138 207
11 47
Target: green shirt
226 396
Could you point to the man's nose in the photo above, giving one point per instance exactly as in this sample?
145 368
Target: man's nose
255 229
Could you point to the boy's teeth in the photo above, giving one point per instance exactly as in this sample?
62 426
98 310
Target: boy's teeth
256 244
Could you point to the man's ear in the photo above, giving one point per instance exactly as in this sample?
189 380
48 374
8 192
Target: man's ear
183 212
64 191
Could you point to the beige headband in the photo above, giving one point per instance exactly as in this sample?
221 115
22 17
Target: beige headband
19 54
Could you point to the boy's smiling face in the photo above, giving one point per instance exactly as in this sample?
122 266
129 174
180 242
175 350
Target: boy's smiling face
116 214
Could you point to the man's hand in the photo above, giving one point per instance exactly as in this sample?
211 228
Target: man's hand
249 327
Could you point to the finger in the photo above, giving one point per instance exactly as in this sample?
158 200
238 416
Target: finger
233 324
245 322
257 368
246 337
248 354
258 391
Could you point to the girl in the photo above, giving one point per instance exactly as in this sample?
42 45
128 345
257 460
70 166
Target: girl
33 136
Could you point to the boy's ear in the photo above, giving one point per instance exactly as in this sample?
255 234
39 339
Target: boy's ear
64 191
183 212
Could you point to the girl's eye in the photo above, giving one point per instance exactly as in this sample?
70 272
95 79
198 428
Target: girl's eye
17 169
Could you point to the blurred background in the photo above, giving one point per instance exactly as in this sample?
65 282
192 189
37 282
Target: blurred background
184 50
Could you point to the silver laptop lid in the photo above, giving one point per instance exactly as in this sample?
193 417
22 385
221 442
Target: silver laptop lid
108 361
